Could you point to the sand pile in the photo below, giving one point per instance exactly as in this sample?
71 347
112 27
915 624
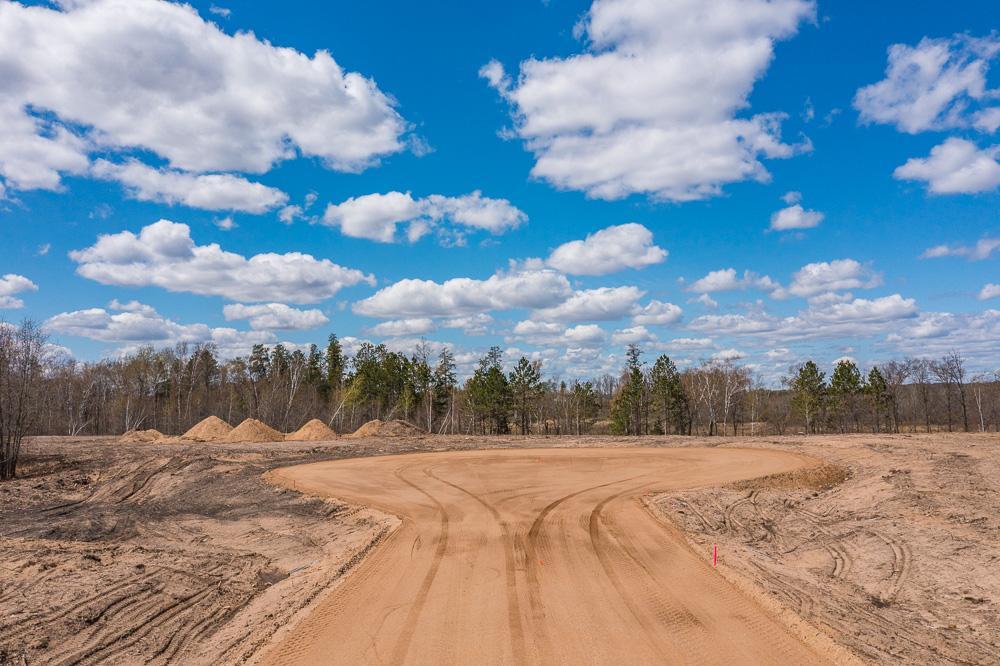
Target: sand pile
211 429
394 428
314 431
252 430
150 435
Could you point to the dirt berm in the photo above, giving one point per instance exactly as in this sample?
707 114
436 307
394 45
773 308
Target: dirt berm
252 430
313 431
211 429
394 428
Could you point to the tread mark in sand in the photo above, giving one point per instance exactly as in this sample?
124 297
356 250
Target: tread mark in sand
609 571
530 547
410 624
513 607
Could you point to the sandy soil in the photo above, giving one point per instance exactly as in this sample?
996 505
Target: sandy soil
172 553
150 553
899 563
539 556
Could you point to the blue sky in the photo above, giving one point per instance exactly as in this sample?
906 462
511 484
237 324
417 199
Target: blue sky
681 129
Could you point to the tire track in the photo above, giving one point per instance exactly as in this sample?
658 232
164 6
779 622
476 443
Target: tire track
510 570
410 623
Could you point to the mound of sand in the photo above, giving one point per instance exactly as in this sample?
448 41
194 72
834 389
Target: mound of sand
394 428
314 431
150 435
211 429
252 430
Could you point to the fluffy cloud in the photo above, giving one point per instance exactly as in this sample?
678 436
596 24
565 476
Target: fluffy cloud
601 304
376 216
956 166
726 279
932 86
989 291
217 102
607 251
400 327
586 336
981 250
209 192
632 335
163 254
829 276
274 316
656 313
12 284
652 106
465 296
139 325
795 217
728 355
856 317
934 334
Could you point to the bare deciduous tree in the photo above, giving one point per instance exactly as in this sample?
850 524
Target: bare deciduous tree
22 358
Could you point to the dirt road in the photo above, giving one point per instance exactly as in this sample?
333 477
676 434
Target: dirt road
535 556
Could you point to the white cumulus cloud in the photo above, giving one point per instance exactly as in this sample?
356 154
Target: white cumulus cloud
138 325
829 276
654 106
608 251
956 166
164 255
274 316
983 248
601 304
155 76
12 284
795 217
465 296
989 291
376 216
656 313
209 191
933 85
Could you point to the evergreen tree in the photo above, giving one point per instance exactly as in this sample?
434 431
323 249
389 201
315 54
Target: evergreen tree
334 363
846 385
488 394
526 388
279 360
314 366
809 394
668 396
627 404
444 386
880 396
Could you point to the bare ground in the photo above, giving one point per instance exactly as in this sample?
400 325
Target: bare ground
169 553
899 563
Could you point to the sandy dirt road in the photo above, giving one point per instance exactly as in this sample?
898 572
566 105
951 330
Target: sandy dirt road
535 556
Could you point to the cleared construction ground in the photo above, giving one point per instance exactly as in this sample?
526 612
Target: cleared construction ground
172 551
542 556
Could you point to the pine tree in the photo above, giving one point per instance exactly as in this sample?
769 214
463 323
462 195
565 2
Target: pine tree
668 396
809 394
627 404
526 388
846 385
880 396
488 393
444 387
334 363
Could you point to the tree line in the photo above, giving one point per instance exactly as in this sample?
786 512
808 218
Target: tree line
171 389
